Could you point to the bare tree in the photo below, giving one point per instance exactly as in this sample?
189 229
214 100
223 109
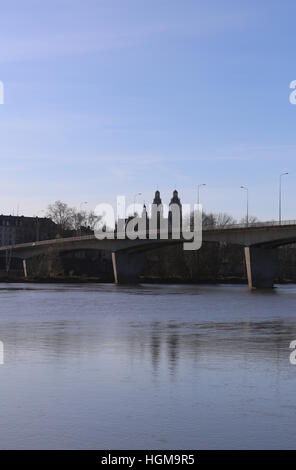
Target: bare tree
252 219
214 220
93 219
69 218
79 219
208 220
223 219
61 214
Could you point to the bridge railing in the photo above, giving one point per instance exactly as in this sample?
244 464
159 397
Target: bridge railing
52 241
205 228
272 223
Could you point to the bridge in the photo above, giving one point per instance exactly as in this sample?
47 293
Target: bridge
259 241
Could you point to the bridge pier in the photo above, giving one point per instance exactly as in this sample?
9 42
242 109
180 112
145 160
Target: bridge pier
126 267
261 264
25 268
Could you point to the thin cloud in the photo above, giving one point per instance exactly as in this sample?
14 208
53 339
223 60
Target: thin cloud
55 43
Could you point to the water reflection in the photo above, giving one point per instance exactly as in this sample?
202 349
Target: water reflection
182 365
163 342
155 345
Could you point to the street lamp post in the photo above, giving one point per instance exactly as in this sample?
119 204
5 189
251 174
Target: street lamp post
37 224
198 188
135 197
80 210
247 192
280 196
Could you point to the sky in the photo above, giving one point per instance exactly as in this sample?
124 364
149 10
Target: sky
117 97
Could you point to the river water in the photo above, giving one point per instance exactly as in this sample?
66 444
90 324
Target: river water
110 367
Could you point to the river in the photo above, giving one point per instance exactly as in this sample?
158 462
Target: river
100 366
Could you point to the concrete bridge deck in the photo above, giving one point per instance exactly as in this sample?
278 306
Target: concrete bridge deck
259 240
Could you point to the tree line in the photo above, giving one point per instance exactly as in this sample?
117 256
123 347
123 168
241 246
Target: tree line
69 218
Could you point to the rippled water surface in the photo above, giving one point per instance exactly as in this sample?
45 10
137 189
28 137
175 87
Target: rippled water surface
102 366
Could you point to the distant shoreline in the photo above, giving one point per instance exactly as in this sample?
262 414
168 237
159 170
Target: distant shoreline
67 280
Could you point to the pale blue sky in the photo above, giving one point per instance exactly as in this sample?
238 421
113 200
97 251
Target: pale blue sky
116 97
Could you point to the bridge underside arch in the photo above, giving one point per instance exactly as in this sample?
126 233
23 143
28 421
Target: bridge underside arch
260 244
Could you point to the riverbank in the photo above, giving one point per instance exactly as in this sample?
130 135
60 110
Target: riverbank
153 280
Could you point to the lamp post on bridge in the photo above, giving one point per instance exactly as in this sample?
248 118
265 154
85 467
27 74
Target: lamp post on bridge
37 224
247 192
80 211
280 197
